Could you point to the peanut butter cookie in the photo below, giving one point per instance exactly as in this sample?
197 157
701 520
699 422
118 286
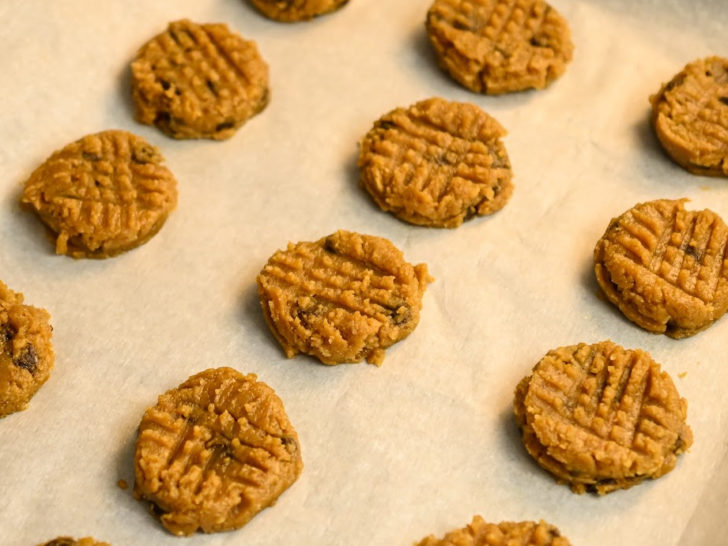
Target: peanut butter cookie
26 353
601 417
506 533
214 452
198 81
665 267
436 163
690 117
102 195
499 46
290 11
68 541
343 298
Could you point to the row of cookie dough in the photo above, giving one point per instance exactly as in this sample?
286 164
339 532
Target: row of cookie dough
219 448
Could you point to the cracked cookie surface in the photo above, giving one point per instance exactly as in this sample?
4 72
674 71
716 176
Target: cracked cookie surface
343 298
102 195
290 11
690 117
198 81
436 163
499 46
214 452
665 267
600 417
505 533
26 353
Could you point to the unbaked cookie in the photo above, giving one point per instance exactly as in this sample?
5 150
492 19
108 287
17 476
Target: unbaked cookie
600 417
26 353
103 194
214 452
499 46
690 117
68 541
506 533
343 298
665 267
290 11
436 163
198 81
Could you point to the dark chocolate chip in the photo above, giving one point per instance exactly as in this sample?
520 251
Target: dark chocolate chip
27 359
694 252
724 100
225 125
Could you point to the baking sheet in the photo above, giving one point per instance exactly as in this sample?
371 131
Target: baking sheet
423 443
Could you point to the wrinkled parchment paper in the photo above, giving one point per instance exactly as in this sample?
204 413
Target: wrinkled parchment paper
423 443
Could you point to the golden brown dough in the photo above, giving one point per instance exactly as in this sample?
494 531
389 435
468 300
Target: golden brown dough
600 417
505 533
103 194
690 117
343 298
26 353
198 81
436 163
499 46
214 452
291 11
665 267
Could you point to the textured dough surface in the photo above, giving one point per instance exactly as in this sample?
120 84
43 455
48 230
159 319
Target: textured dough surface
506 533
214 452
290 11
665 267
198 81
499 46
436 163
26 353
690 117
68 541
343 298
103 194
600 417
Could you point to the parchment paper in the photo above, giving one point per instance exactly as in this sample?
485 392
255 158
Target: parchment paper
425 442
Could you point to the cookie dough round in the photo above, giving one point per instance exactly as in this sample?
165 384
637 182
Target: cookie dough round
690 117
26 353
291 11
506 533
665 267
343 298
600 417
499 46
198 81
68 541
102 195
214 452
436 163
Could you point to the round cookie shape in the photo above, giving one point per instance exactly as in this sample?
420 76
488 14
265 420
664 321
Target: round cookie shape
436 163
343 298
68 541
26 353
102 195
291 11
505 533
198 81
600 417
214 452
665 267
690 117
499 46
